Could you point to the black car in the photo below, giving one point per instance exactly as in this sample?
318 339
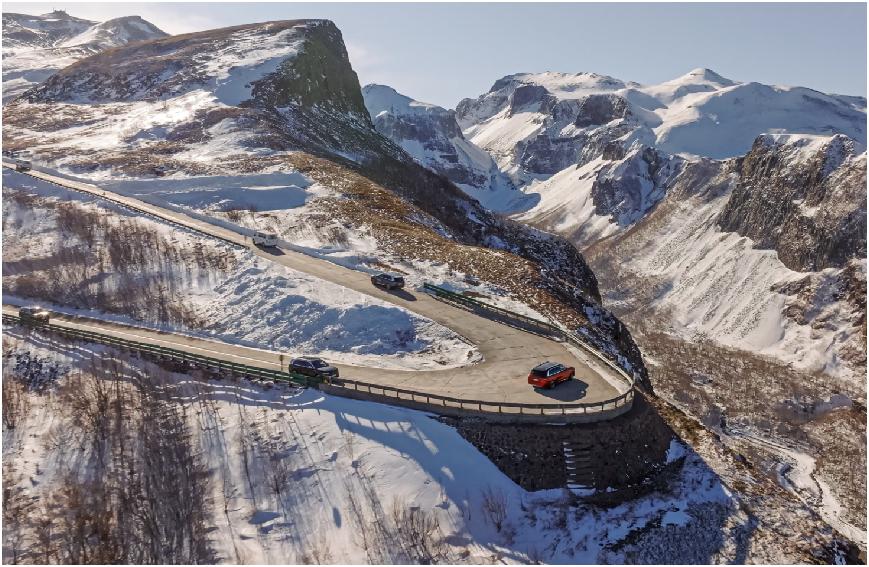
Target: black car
312 366
387 281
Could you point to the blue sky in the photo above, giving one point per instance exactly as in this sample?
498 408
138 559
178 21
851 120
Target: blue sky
442 53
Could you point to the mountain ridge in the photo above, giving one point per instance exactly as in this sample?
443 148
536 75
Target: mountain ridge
36 47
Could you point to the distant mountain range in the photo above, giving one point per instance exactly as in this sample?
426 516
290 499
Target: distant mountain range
35 47
594 158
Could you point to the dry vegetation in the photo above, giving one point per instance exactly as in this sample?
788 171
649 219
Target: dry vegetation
130 463
101 261
128 485
728 389
405 231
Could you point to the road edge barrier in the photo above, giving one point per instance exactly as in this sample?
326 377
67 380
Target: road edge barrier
161 352
423 401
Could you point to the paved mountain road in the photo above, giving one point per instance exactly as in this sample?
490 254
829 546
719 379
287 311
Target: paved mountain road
508 353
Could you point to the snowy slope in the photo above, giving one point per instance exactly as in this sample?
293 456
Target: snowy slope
297 476
431 135
256 303
704 280
36 47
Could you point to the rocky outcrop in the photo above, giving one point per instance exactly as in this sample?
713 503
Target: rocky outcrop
431 135
804 197
630 187
319 76
596 110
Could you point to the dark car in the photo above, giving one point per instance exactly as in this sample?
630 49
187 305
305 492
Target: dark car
314 367
34 315
549 374
387 281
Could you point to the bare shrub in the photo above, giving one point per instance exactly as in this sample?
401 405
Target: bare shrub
146 499
16 508
15 401
123 267
417 533
495 507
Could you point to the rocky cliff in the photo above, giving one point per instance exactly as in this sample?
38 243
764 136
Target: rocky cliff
431 135
804 197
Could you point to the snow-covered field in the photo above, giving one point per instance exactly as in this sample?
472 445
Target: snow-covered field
258 303
298 476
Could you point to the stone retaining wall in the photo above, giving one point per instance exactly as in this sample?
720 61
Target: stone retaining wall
624 453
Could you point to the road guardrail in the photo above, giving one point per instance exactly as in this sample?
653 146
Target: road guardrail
425 401
172 354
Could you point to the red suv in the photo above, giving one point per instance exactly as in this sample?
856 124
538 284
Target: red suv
549 374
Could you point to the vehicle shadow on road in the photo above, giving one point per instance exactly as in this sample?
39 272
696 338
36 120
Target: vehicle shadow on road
271 250
401 294
571 391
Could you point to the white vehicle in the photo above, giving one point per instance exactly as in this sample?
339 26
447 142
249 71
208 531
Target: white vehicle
265 239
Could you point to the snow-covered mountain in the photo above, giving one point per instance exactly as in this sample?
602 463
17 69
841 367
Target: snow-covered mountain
431 135
597 152
765 253
36 47
786 167
700 113
282 96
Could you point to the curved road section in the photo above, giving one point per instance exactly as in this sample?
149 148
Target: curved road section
508 353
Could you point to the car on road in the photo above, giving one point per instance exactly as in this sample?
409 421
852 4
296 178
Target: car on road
549 374
387 281
313 366
265 239
34 315
22 164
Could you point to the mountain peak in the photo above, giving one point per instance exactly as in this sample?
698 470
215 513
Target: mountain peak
382 98
58 15
117 32
703 74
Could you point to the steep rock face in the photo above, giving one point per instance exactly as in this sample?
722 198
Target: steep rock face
682 269
803 197
633 184
320 76
431 135
36 47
